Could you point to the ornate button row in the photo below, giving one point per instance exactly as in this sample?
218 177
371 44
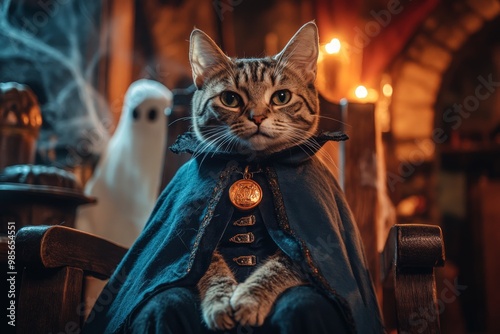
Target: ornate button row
245 260
243 238
245 221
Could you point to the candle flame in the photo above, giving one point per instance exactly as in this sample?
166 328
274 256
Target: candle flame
333 46
387 90
361 92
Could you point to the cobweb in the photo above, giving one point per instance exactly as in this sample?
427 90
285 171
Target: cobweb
53 47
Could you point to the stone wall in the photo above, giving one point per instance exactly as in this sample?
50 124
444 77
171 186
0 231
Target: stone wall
418 72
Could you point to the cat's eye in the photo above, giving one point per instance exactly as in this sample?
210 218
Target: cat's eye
230 99
281 97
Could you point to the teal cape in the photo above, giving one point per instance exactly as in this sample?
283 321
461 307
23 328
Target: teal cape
311 223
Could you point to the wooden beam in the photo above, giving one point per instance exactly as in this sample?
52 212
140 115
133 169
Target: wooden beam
120 44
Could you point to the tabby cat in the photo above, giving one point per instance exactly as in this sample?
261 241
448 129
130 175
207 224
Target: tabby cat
262 105
292 261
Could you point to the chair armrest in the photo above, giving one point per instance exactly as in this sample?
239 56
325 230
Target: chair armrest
411 253
412 246
60 246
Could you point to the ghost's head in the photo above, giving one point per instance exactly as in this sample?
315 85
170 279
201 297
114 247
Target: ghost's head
146 105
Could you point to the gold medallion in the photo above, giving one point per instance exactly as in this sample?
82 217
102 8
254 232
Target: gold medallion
245 194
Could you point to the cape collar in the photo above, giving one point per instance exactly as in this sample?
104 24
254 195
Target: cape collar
189 143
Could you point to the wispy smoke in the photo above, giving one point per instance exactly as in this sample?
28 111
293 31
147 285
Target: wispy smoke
53 47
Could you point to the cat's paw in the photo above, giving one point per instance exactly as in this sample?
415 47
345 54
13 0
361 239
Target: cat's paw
247 308
218 313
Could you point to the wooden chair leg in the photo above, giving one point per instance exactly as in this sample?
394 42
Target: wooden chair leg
57 290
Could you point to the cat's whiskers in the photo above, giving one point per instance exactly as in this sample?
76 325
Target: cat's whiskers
210 144
325 156
218 139
311 145
210 137
221 141
186 118
297 137
335 120
223 137
236 126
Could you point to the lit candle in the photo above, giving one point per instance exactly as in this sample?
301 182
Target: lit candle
361 92
329 69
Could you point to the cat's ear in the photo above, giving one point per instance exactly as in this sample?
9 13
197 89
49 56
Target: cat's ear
204 56
301 52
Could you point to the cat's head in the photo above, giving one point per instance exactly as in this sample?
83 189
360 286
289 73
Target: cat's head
263 105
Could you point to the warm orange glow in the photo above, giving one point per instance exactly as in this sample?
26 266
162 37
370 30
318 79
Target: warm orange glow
387 90
361 92
333 47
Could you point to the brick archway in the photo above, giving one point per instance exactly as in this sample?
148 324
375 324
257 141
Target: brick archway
418 71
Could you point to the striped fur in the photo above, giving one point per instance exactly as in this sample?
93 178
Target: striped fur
216 288
253 299
260 125
255 81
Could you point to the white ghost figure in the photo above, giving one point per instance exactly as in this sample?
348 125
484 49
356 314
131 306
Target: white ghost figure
127 178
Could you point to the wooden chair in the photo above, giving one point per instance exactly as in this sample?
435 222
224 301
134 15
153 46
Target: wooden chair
58 259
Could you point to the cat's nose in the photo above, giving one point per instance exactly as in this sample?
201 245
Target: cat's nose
257 119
